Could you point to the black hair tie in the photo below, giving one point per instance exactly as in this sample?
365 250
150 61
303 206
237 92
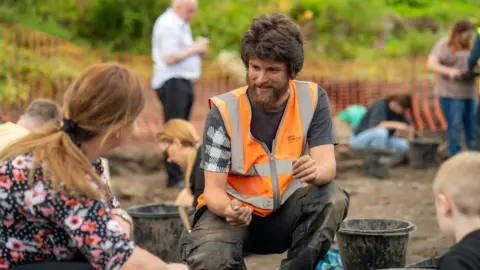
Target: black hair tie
76 133
69 126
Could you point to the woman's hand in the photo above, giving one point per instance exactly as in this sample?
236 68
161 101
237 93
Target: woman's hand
454 73
184 198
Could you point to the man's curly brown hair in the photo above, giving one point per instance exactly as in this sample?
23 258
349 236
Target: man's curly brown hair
277 38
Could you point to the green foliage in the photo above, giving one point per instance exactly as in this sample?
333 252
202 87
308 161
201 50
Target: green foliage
119 25
19 71
11 89
122 25
224 22
336 29
442 11
339 30
413 43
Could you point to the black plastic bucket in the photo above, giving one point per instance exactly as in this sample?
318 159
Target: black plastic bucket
422 265
425 264
157 228
423 153
370 244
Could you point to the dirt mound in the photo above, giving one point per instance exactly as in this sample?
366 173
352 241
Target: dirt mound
138 159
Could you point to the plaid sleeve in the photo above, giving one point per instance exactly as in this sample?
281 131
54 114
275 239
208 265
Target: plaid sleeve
216 151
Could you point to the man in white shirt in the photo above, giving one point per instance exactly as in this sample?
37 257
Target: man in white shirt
177 63
38 113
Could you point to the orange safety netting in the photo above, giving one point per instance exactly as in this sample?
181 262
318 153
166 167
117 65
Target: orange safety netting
33 64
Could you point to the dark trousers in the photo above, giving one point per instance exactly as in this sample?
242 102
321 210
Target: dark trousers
476 145
305 226
458 112
176 96
474 54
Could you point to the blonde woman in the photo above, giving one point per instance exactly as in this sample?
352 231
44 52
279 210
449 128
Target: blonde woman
53 203
180 143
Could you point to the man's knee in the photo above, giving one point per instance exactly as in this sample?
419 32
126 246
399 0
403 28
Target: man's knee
212 252
332 198
380 132
340 200
325 208
213 244
402 146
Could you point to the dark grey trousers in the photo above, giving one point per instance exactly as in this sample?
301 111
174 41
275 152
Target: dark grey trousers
305 225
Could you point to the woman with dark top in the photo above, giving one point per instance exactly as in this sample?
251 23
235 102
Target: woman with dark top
180 142
475 53
53 202
457 93
473 61
377 128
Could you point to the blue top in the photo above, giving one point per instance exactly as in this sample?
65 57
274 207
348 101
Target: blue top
475 54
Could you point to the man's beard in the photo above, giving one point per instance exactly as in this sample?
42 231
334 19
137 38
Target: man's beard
266 100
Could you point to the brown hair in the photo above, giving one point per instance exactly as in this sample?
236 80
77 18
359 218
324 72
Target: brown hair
456 37
404 100
186 133
43 110
457 178
102 100
276 38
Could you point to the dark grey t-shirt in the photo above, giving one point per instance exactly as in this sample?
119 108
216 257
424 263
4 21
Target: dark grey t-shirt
464 255
377 113
264 125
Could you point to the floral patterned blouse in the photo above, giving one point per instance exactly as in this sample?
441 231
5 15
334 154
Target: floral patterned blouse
39 224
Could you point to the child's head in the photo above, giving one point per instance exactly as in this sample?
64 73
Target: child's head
457 191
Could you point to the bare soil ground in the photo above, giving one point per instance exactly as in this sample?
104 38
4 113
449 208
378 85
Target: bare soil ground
406 195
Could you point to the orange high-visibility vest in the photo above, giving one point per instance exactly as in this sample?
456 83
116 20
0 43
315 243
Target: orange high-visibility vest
259 178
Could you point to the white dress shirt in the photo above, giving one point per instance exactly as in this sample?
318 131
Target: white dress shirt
171 34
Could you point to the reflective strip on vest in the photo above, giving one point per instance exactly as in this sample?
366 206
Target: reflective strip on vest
264 169
265 202
232 104
306 110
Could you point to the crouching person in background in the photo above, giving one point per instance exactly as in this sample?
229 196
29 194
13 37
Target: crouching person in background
180 143
379 127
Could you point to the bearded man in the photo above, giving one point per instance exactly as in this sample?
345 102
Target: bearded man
269 162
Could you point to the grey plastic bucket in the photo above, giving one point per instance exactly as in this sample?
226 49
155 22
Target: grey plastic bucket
423 153
370 244
157 228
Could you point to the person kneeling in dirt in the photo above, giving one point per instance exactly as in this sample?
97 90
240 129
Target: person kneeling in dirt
180 144
269 162
378 127
456 188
